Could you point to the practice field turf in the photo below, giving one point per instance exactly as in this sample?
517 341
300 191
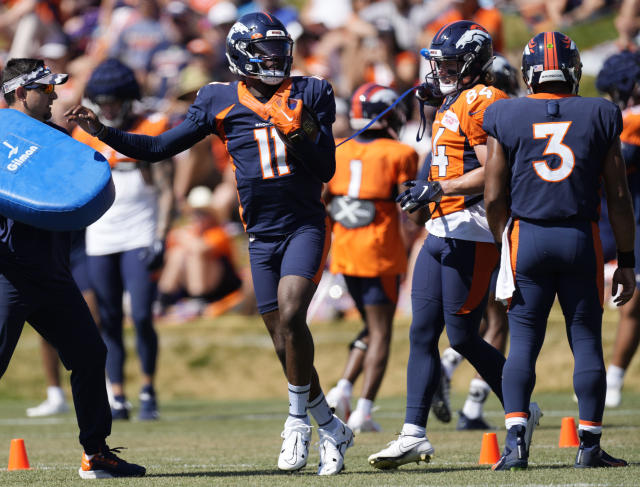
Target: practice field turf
198 443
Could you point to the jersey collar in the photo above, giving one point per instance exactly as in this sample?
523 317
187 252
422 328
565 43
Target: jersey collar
252 103
550 96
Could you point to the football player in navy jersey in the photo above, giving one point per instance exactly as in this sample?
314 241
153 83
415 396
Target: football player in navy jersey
547 154
277 129
36 285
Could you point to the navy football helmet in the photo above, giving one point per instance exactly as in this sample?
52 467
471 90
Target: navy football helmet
620 78
369 101
551 56
460 53
506 76
259 46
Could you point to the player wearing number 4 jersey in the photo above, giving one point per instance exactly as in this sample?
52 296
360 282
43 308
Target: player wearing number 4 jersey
547 155
453 270
277 129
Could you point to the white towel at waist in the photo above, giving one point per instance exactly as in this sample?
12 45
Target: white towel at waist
505 284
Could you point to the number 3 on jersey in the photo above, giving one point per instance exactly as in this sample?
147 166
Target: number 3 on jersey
267 159
555 132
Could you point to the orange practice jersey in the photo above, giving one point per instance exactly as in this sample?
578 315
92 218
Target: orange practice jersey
631 123
153 124
456 129
371 171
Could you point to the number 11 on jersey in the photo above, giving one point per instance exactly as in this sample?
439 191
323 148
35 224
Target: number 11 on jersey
267 159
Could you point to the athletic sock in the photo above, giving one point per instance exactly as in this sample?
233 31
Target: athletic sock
516 419
409 429
345 387
615 377
55 394
321 411
298 400
365 405
450 361
478 393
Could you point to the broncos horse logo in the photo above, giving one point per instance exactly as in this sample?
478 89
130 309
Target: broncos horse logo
477 36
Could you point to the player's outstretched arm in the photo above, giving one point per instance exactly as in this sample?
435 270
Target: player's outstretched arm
622 222
496 175
141 147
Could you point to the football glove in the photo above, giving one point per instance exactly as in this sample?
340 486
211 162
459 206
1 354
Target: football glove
153 255
419 194
429 94
292 123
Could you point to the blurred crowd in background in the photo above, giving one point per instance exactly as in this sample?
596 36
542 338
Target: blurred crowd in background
177 46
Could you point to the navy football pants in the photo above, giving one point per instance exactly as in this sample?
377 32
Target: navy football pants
57 310
450 285
110 275
563 259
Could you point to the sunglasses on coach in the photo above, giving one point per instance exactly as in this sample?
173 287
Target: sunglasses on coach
46 89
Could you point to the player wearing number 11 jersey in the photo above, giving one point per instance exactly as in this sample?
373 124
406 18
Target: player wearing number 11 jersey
277 129
547 156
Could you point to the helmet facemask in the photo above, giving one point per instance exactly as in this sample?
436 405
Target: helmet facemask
450 72
270 59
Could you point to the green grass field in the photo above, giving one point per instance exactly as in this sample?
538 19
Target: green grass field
223 404
201 443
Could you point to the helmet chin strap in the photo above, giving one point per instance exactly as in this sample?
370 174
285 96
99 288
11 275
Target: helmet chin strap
271 80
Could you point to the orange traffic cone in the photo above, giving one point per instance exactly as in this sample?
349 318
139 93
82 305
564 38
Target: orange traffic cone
18 455
568 434
489 452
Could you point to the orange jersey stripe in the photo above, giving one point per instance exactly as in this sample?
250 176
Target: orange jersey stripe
486 258
325 251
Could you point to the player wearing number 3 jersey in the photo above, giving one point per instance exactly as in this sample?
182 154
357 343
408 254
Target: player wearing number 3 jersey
547 155
452 273
277 129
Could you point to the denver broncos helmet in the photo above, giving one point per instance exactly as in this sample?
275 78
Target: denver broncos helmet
259 46
460 53
369 101
620 78
551 56
506 76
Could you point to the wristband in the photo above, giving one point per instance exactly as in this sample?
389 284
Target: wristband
100 131
626 259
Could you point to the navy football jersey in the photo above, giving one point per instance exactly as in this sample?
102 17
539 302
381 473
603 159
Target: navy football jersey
276 193
555 146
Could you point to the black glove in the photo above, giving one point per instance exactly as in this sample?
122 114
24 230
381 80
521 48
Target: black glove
429 94
419 194
153 255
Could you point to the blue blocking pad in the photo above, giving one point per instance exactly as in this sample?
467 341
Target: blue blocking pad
48 179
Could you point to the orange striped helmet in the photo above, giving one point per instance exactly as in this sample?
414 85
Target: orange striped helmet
551 56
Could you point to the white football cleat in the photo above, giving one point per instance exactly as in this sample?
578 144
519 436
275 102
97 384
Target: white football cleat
333 446
340 402
295 447
48 408
361 423
405 449
535 413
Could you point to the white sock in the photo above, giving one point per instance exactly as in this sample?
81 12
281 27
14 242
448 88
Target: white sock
365 405
478 393
298 400
596 430
321 411
409 429
345 387
450 361
615 376
55 394
515 421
